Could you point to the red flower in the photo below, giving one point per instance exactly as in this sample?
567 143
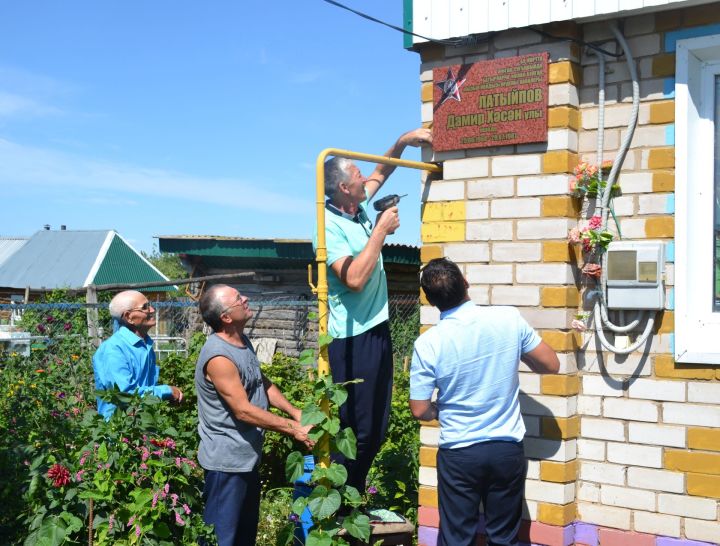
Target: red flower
59 475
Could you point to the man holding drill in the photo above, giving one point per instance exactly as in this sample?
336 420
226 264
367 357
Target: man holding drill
358 300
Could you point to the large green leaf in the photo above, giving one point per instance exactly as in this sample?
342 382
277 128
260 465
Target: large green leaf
336 474
316 538
324 340
323 502
102 453
299 505
294 466
339 395
307 357
352 496
346 443
51 533
358 525
161 529
286 536
312 415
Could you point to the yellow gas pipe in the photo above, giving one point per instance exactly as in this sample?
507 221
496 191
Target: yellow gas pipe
321 289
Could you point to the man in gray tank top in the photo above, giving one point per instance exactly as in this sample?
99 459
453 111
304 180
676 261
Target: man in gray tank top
233 398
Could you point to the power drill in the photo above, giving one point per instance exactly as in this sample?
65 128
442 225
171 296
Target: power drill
388 201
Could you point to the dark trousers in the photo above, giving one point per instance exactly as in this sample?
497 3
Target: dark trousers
232 504
367 356
491 473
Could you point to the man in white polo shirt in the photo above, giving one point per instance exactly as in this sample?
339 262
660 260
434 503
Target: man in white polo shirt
471 357
358 300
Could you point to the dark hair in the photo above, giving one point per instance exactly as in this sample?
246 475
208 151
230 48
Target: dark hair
443 284
211 308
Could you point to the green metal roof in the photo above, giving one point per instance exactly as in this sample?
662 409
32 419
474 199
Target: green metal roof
122 264
280 253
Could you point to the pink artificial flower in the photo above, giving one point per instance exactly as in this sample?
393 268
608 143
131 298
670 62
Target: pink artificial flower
111 522
79 475
592 270
131 521
155 499
137 530
187 509
595 222
574 236
578 325
178 519
174 498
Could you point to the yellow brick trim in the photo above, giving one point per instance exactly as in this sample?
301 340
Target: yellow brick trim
558 251
558 472
557 514
703 485
662 111
423 298
704 438
661 158
663 181
425 327
561 205
442 232
426 92
560 385
663 65
559 296
661 226
692 461
428 456
559 161
560 428
665 324
451 211
427 496
564 72
430 252
666 367
561 117
561 341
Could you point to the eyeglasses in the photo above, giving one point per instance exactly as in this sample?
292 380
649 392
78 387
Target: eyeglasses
145 308
240 301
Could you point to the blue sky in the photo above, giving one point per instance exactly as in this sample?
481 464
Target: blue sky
159 117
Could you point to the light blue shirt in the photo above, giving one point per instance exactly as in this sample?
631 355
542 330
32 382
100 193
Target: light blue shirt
352 313
471 356
127 361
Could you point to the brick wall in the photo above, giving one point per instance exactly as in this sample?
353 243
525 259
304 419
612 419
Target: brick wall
622 450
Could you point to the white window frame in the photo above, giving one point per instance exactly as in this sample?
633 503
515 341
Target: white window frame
697 326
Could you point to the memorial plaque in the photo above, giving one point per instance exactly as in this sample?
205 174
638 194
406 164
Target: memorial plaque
490 103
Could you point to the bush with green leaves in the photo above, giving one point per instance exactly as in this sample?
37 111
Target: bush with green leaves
134 480
329 489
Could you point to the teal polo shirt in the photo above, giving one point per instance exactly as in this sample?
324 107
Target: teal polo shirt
352 313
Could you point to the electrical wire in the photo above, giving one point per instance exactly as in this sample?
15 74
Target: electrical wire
591 45
452 42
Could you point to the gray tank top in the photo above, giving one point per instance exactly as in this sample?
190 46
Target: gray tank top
226 443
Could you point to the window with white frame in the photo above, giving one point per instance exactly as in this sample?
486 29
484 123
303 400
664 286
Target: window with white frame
697 192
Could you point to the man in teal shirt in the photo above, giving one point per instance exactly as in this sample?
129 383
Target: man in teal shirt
127 358
358 300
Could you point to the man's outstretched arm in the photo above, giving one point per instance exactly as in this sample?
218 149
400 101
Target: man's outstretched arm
417 137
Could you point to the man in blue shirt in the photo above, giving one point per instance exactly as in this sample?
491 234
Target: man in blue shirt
127 359
471 357
358 300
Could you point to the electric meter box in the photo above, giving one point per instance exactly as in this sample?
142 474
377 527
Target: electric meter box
635 275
